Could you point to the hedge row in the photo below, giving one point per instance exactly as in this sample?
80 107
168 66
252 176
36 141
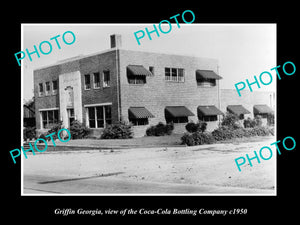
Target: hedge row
224 133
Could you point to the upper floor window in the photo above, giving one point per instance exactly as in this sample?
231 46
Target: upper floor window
87 82
54 87
136 74
136 79
206 82
174 74
96 80
48 88
206 78
41 89
106 78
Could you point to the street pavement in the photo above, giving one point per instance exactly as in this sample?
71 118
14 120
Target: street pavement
207 169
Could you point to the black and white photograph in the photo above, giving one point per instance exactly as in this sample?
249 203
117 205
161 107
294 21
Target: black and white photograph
131 112
160 116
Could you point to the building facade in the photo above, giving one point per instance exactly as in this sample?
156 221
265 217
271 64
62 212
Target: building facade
139 87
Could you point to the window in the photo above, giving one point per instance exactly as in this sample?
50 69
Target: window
136 79
41 89
49 118
71 115
174 74
139 121
48 88
106 78
54 87
151 69
87 82
183 119
206 82
99 116
208 118
96 80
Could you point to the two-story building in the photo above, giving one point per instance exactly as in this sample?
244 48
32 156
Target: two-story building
139 87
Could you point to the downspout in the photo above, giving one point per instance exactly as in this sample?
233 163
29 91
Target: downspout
219 102
118 84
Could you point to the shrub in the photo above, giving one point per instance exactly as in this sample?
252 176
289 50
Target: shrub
262 131
223 133
197 138
117 131
231 120
43 136
196 127
250 123
78 130
160 129
54 129
187 139
258 120
28 132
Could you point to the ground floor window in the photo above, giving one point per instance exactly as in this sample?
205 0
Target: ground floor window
182 119
49 118
208 118
99 116
263 115
139 121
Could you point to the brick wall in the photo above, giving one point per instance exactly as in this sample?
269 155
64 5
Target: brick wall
87 65
157 93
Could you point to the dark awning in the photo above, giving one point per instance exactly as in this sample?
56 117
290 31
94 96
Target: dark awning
207 74
178 111
209 110
262 109
237 109
138 70
139 112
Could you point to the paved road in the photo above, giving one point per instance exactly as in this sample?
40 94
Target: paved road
104 185
206 169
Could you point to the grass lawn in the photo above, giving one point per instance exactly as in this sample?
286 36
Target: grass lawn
148 141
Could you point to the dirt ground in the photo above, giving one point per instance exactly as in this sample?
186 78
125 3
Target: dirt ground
198 165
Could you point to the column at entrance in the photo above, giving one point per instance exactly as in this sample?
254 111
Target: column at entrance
70 98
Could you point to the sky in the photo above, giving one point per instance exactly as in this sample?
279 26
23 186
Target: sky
242 50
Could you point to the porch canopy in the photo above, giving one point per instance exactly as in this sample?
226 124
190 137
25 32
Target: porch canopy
207 74
178 111
209 110
262 109
138 70
139 113
237 109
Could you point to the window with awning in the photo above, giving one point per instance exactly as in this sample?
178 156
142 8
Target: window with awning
263 110
206 78
208 113
238 110
177 114
136 74
139 116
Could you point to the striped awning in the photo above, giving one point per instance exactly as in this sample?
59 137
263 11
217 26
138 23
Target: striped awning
139 113
178 111
207 74
237 109
209 110
262 109
138 70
